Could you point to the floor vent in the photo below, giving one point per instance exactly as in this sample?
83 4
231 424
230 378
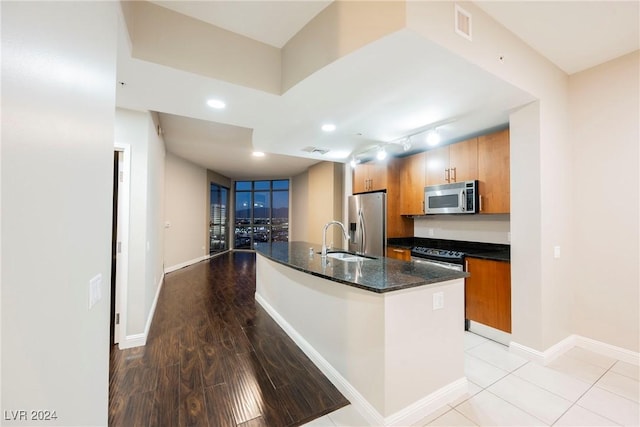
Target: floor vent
316 150
463 22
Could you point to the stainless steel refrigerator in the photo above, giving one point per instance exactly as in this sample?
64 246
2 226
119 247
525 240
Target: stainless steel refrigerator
368 223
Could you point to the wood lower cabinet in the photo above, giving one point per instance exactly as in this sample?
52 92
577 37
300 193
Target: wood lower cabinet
487 293
412 183
402 254
494 172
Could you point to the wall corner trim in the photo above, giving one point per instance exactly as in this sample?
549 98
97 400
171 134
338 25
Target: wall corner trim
558 349
186 264
138 340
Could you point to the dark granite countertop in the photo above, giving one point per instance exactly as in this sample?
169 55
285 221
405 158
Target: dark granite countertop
378 275
490 251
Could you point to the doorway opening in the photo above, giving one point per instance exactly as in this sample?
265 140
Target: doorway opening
119 243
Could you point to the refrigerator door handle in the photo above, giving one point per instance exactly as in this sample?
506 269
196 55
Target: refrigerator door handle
363 233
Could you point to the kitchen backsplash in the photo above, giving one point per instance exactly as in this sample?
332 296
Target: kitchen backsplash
471 228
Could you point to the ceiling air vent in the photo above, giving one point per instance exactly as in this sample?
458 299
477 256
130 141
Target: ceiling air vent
463 22
316 150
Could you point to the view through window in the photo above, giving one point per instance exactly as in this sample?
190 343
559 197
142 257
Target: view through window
219 218
262 212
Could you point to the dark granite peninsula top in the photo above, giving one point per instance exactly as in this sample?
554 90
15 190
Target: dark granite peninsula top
376 275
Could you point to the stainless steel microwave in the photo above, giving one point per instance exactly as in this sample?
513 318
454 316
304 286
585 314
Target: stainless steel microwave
456 198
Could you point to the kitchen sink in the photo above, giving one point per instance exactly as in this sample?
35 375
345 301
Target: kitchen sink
348 256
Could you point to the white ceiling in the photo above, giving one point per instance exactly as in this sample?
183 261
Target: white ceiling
399 91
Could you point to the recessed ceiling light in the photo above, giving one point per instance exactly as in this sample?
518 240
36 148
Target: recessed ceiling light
328 127
258 154
216 103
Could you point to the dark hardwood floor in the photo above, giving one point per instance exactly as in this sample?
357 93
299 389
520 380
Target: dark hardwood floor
215 358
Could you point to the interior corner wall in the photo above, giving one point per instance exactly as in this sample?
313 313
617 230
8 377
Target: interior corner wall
604 109
186 198
299 202
58 103
325 202
146 213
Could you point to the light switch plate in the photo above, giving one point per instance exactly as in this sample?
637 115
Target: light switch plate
95 290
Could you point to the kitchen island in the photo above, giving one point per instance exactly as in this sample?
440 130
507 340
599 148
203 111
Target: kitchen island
387 333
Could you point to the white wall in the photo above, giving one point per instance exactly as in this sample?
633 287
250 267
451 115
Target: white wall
475 228
604 110
146 218
186 198
58 101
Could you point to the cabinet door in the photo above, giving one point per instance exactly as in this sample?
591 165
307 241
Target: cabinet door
399 253
463 160
397 225
377 176
412 182
487 293
437 166
360 178
493 172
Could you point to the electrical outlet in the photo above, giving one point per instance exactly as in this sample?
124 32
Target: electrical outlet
438 300
556 251
430 232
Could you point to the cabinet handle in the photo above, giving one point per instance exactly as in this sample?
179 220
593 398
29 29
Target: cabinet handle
398 250
455 175
446 175
480 207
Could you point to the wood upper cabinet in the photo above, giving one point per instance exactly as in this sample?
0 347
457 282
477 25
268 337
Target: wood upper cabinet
412 183
452 163
436 166
371 176
487 293
493 172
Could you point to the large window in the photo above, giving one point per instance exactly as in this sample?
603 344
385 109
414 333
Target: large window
218 220
262 212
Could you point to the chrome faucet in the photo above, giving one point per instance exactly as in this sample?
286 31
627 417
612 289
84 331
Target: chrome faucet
324 235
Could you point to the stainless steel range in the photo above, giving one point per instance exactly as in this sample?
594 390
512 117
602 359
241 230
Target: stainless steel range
440 257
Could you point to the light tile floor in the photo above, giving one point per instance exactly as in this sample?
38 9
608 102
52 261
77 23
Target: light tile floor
580 388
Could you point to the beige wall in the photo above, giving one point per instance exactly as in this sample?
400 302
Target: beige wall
299 202
186 194
325 189
341 28
166 37
58 104
604 110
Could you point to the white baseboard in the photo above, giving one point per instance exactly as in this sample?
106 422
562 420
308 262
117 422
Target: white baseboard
608 350
543 357
428 404
409 415
138 340
550 354
185 264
